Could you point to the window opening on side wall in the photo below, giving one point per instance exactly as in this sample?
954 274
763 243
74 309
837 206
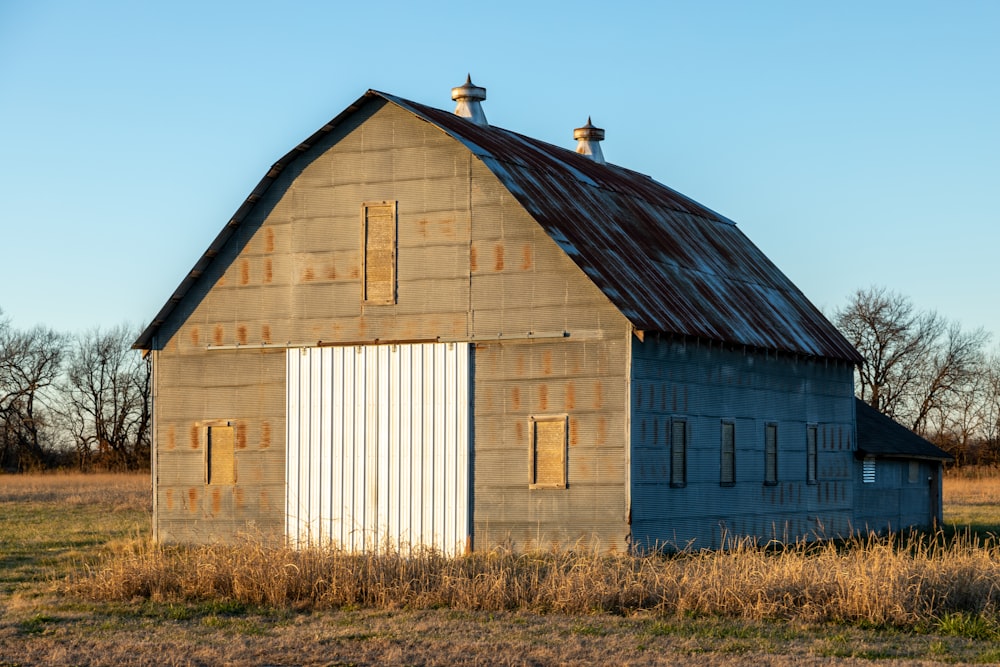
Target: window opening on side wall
812 454
771 454
728 474
378 240
547 453
914 472
678 452
221 455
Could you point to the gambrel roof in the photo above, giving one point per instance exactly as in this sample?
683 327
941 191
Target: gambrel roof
667 263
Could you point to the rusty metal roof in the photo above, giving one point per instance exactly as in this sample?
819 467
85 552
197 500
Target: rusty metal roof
666 262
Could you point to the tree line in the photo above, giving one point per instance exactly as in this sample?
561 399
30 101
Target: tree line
84 401
73 401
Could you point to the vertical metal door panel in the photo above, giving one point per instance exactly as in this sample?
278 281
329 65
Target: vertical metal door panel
378 446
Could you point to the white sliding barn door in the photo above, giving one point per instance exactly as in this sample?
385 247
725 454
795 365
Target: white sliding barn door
378 446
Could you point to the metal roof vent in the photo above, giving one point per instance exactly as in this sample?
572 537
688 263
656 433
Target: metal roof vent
589 138
468 97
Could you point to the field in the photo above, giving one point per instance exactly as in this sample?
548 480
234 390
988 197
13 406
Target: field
81 584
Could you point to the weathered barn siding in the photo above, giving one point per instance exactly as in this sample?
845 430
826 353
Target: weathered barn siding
584 381
898 498
471 265
706 385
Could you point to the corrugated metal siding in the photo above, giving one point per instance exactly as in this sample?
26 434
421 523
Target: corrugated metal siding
378 444
708 385
584 381
892 502
193 390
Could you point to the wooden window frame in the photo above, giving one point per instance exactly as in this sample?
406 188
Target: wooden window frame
727 448
812 454
217 425
771 454
533 422
366 298
678 477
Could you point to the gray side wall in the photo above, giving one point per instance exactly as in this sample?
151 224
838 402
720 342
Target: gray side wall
706 385
471 265
892 502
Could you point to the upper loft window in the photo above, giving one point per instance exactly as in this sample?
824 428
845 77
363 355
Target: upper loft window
378 240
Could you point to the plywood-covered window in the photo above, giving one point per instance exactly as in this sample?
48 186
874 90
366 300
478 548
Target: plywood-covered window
678 452
811 455
770 454
378 237
914 473
221 455
547 453
728 474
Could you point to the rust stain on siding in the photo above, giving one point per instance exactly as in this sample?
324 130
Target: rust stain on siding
241 334
308 275
268 271
574 433
602 430
216 501
265 435
193 499
570 395
195 336
515 398
245 272
269 239
239 497
519 428
473 266
543 397
170 499
218 336
519 365
195 441
241 436
598 395
547 362
526 257
498 257
331 272
265 333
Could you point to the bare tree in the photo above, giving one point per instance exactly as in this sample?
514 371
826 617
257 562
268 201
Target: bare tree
894 340
30 364
107 394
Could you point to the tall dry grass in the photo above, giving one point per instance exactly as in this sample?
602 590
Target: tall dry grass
879 581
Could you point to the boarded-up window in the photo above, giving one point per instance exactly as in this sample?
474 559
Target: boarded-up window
548 453
678 452
914 473
378 223
221 455
868 470
811 455
728 476
770 453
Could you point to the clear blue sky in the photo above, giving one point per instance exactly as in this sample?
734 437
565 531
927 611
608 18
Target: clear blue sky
857 143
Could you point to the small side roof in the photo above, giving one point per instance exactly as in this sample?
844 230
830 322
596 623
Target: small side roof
666 262
883 437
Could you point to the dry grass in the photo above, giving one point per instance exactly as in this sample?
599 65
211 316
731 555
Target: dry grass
81 584
911 582
972 500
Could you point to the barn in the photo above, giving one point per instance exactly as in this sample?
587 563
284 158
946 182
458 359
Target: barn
420 328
